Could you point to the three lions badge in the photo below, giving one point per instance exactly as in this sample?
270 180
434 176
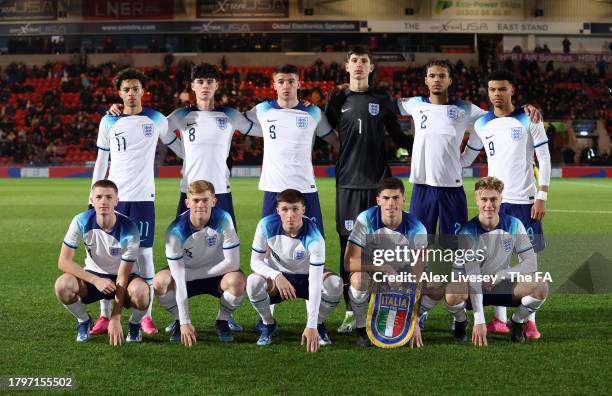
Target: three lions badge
392 314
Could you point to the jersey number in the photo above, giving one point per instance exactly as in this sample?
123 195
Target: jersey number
191 134
272 132
119 141
359 119
491 148
144 226
423 120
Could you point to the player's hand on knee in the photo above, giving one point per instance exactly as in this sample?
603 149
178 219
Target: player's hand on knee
115 332
538 209
479 335
310 336
188 335
116 109
105 285
535 115
284 287
416 341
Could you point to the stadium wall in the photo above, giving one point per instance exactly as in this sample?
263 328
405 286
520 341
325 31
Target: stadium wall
59 172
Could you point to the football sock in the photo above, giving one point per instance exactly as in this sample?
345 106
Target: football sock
78 310
330 296
427 303
458 311
259 297
359 302
106 307
168 301
528 306
500 313
137 315
227 304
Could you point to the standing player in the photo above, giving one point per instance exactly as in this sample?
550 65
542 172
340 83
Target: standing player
361 115
385 218
495 236
130 139
510 140
288 261
288 127
203 255
111 241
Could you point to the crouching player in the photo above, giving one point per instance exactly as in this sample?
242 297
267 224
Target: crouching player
386 218
112 242
494 237
203 255
288 260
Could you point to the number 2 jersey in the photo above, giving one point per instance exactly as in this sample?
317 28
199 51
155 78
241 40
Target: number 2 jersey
510 143
131 140
439 131
288 139
207 138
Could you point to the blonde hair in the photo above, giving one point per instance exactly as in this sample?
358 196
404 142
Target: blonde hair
200 187
489 183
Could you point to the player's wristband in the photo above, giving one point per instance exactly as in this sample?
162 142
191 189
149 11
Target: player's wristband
542 195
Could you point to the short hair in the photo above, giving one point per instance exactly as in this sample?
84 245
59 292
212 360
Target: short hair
130 74
200 187
390 183
288 69
500 75
290 196
204 71
441 63
105 183
489 183
359 50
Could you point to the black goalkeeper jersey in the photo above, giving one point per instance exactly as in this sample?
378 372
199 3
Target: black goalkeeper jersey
361 119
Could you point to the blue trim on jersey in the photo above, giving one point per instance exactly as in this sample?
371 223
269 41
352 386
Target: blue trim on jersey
300 106
257 250
355 243
540 144
482 121
231 247
425 99
181 226
506 223
249 120
70 246
174 258
312 110
103 149
154 115
525 250
264 106
472 148
173 140
128 260
317 264
409 227
327 134
272 226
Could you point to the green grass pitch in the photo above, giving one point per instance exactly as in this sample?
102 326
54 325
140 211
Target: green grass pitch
37 333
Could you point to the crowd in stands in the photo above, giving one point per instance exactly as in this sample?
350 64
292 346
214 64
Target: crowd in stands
49 114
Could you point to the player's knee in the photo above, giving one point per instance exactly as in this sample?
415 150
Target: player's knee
540 291
235 283
256 286
139 294
161 282
332 286
66 288
453 299
360 280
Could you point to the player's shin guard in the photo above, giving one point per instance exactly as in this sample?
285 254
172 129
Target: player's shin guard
78 310
427 303
330 296
168 301
137 315
458 311
147 271
260 299
359 302
228 304
528 306
106 307
500 313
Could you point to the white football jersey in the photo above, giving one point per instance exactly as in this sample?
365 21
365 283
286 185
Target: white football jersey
439 131
131 140
207 138
105 250
509 143
288 138
287 254
202 250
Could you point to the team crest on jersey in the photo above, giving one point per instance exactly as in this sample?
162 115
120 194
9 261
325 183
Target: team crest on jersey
348 224
373 108
147 129
211 240
114 251
516 133
507 244
452 113
302 122
222 122
299 255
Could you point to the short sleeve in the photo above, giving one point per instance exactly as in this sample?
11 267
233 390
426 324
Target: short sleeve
166 135
260 242
103 142
230 237
406 106
130 243
75 233
475 113
420 236
174 244
323 128
251 116
522 243
360 231
316 251
174 120
474 142
239 121
538 133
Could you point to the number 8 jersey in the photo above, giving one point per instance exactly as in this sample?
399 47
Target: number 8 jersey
131 140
